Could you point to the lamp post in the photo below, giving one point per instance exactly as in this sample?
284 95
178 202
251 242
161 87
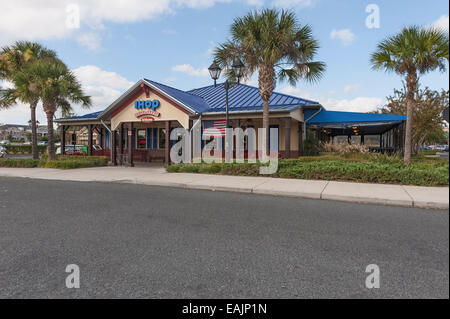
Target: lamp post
215 70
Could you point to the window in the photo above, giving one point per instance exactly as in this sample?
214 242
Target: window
162 138
141 139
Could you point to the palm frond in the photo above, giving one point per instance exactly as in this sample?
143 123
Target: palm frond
272 39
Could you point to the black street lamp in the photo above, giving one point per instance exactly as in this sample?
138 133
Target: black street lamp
238 68
215 70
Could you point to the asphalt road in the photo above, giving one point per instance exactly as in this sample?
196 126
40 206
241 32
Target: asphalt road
134 241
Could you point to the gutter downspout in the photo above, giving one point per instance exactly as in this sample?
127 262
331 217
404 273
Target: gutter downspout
106 126
307 120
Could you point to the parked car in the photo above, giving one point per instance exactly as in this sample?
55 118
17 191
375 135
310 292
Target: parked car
2 152
5 142
43 143
77 150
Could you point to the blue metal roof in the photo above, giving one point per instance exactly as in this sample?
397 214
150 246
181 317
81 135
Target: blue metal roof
90 116
351 117
194 102
247 98
243 97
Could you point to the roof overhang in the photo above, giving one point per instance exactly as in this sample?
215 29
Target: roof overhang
136 88
286 110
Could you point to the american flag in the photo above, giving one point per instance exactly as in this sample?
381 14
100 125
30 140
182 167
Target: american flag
217 129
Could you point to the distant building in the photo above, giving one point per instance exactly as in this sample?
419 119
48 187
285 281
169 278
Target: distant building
13 131
42 131
18 132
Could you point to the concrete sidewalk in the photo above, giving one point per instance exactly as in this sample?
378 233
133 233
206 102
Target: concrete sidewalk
409 196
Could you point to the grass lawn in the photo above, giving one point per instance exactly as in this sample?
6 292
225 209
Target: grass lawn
365 168
61 162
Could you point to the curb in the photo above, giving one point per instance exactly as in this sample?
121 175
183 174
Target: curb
260 189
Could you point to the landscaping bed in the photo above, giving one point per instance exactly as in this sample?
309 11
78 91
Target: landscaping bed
61 162
364 168
20 149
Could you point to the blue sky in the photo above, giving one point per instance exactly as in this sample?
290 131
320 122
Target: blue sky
170 41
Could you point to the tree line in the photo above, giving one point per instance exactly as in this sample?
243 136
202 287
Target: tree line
271 42
36 74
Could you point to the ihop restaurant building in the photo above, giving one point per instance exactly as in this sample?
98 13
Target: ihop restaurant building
134 127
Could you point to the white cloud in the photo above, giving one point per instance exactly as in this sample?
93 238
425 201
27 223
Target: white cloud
351 88
442 23
46 19
190 70
256 3
211 49
290 90
91 41
346 36
293 3
93 75
358 104
104 88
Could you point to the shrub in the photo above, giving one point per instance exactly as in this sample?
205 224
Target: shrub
21 162
62 162
367 168
311 146
343 148
23 149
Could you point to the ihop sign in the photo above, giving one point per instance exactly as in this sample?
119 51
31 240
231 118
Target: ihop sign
146 105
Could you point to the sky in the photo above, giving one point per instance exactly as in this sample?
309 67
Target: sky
111 44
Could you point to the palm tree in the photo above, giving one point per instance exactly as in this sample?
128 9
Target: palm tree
58 87
14 60
277 46
413 52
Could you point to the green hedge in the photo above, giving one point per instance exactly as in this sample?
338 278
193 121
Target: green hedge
382 170
61 162
23 149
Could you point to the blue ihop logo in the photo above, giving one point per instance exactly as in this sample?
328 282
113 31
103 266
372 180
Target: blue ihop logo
148 104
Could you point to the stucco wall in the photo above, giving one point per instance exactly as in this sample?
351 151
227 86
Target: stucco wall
168 111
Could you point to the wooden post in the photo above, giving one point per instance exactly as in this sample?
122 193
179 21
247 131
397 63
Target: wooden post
130 144
363 139
113 148
287 137
167 146
63 139
102 143
121 144
90 146
300 138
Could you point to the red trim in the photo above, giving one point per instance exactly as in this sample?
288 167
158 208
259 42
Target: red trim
145 89
171 102
127 102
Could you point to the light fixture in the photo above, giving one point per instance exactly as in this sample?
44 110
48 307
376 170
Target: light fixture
238 68
215 71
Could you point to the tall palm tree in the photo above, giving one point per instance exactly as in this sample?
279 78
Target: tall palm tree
277 46
57 87
14 59
413 52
